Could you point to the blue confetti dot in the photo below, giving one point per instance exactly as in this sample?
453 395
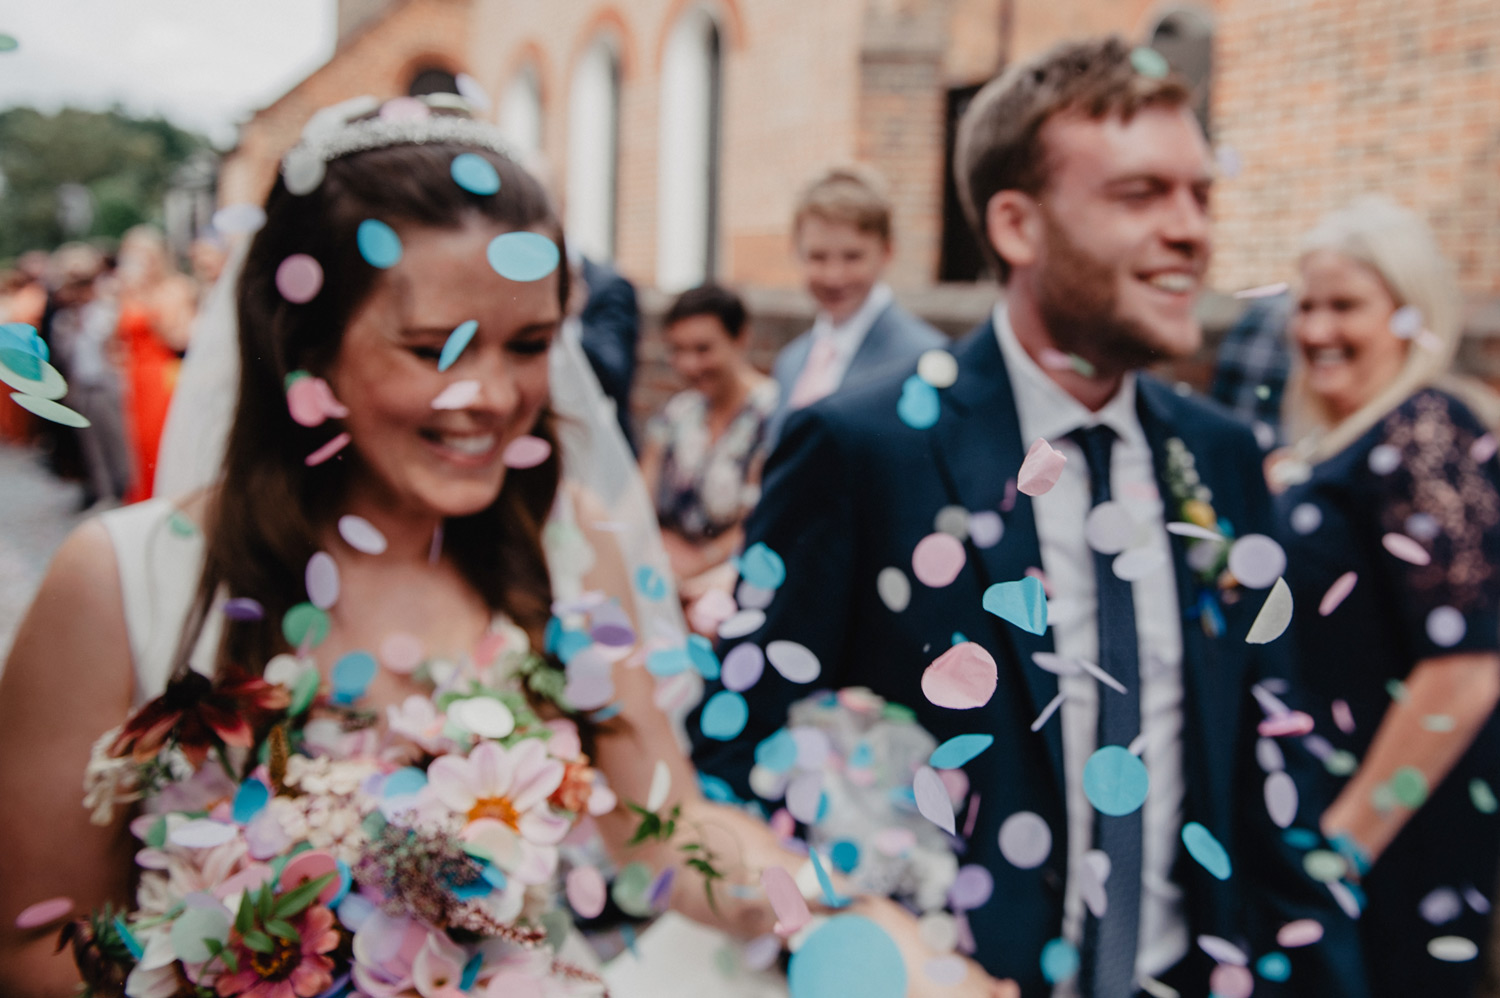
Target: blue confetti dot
475 174
494 875
1059 961
570 643
456 342
918 406
378 244
762 567
830 896
1115 781
352 675
1301 838
551 634
777 753
847 955
471 972
958 750
404 782
1022 603
1274 967
250 800
717 790
668 662
346 881
701 651
724 716
1206 849
958 638
650 583
862 756
523 256
845 856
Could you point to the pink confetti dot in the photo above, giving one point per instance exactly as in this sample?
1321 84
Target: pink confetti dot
786 901
457 395
1343 716
937 560
305 402
1303 932
586 891
327 451
401 652
299 278
1292 723
961 678
404 109
1406 549
44 913
1230 981
310 866
1041 469
1482 449
527 452
1338 592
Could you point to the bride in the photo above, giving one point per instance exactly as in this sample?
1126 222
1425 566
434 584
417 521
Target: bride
414 464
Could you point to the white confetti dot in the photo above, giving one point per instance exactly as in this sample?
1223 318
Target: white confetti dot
1384 459
1223 951
953 521
1407 322
937 368
894 589
1281 799
793 661
1269 755
1256 561
1446 626
744 623
1025 840
1306 518
986 528
361 535
1423 526
1109 528
1453 949
1441 906
1138 563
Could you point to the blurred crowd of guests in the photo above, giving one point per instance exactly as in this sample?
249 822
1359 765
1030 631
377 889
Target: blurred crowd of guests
117 324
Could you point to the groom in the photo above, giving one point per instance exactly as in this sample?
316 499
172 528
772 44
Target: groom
1086 179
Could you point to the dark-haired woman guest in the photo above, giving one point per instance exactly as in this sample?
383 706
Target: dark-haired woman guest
1391 517
702 449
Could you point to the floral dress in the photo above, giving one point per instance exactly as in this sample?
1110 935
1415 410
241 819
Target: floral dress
704 488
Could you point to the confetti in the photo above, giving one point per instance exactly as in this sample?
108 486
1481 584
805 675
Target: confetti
762 567
894 589
586 891
1343 716
311 401
401 652
1138 563
919 405
1303 932
742 667
805 798
724 716
523 256
238 219
1446 626
1290 723
1483 797
986 528
299 278
1482 449
31 375
351 677
932 798
322 579
243 608
474 174
962 678
847 955
526 452
1409 786
1274 617
1384 459
945 971
1229 162
1406 549
1222 950
378 244
630 890
1060 961
1324 866
1441 906
1195 532
1041 468
1281 799
1022 603
1274 967
1109 528
787 902
1206 849
302 170
458 341
1230 981
794 661
1306 518
1115 781
202 833
1150 63
1453 949
1337 593
44 913
458 395
1256 561
937 368
1025 840
972 887
361 535
194 929
1263 291
483 716
304 624
1406 322
742 624
327 451
937 560
49 410
661 786
1047 712
959 750
1100 675
650 584
8 43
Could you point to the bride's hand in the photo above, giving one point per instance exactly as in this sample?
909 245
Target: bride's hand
901 926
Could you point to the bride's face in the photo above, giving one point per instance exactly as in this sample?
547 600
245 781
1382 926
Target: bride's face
446 462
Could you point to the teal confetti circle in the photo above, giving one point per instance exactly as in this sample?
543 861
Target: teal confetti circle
847 955
1115 781
523 256
475 174
724 716
1274 967
919 405
762 567
1207 850
457 342
378 244
1059 961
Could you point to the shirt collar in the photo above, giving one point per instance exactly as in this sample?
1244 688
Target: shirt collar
850 333
1045 410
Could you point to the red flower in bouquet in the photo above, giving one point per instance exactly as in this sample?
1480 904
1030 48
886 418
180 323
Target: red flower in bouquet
290 968
198 713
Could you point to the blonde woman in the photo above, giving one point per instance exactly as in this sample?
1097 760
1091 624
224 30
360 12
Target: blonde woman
1391 518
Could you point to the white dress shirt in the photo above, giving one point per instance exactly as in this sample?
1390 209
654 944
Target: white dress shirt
848 336
1046 411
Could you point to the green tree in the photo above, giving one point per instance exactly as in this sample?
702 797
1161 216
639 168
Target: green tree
124 162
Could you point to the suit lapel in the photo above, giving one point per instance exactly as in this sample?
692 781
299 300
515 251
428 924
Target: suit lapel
978 447
875 349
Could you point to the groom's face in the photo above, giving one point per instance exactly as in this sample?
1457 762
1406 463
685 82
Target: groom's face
1125 236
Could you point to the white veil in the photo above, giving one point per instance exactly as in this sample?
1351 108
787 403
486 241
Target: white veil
596 461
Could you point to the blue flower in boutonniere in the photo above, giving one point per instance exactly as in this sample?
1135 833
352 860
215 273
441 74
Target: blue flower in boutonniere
1209 536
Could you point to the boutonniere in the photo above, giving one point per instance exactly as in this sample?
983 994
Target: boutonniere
1209 536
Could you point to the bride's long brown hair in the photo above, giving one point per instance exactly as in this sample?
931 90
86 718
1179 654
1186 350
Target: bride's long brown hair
270 511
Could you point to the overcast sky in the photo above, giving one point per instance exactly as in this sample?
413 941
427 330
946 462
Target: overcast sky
205 64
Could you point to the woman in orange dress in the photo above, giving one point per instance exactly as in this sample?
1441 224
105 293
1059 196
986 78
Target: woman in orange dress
156 313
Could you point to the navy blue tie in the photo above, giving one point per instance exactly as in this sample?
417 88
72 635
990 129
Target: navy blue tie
1109 943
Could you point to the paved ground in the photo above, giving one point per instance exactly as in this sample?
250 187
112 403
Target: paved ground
36 513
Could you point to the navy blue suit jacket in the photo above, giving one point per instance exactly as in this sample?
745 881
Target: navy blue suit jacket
852 489
611 323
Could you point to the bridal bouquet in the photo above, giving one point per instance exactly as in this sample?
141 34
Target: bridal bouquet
289 849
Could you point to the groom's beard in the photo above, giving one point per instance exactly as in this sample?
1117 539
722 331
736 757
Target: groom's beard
1078 299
